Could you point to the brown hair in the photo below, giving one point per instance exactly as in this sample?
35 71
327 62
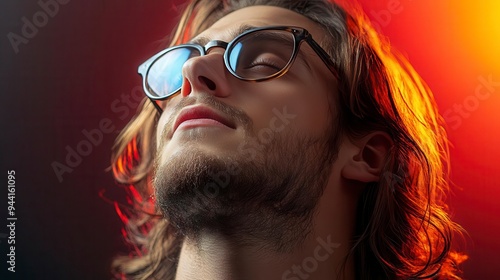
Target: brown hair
402 227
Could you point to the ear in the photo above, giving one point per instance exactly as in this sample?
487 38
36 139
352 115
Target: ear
366 162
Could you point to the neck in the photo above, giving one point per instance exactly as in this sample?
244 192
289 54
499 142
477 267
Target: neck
214 256
321 255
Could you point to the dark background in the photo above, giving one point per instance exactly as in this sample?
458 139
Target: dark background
79 70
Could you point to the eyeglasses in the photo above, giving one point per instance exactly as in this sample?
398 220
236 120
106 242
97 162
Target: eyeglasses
258 54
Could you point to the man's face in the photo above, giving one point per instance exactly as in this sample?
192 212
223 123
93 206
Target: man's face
259 147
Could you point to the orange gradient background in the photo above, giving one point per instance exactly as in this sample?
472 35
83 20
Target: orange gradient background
455 45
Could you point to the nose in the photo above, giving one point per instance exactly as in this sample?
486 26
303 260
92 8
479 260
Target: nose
206 74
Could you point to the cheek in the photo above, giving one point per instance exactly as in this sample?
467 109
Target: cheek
162 122
300 106
159 128
315 114
314 106
271 106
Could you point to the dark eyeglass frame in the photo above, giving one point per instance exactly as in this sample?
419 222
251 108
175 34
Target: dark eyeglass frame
299 34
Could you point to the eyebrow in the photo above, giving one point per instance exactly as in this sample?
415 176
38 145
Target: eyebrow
202 40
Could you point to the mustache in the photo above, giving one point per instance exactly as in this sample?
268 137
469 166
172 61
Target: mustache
236 114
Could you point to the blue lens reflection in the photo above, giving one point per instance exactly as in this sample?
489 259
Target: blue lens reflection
165 76
234 55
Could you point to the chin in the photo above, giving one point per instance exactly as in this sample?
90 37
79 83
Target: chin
191 187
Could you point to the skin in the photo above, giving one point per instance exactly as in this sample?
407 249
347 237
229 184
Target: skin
306 91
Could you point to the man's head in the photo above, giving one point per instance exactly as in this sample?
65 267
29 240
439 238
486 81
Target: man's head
343 121
233 151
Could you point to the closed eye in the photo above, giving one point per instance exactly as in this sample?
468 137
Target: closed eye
263 62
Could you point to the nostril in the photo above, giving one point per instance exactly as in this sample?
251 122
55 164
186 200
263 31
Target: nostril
209 83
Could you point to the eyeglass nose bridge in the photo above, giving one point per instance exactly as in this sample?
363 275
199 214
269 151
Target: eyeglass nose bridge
215 44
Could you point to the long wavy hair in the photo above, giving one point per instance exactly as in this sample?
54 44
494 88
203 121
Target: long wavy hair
402 227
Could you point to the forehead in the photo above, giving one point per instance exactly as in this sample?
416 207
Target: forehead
257 16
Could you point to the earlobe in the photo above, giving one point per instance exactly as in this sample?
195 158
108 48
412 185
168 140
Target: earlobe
367 161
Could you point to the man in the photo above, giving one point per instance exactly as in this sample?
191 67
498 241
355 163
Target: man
284 140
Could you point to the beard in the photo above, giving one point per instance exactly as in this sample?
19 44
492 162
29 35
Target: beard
263 193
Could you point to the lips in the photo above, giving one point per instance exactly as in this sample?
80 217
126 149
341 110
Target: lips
200 112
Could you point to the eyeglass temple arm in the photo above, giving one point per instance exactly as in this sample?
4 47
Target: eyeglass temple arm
158 108
324 56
